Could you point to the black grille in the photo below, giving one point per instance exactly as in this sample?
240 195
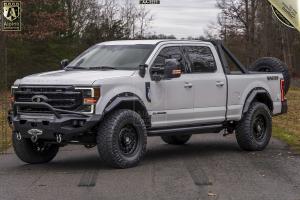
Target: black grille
66 98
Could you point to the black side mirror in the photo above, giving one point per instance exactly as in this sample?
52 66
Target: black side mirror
64 63
142 70
172 69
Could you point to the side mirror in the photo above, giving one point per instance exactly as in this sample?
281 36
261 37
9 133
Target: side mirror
64 63
142 70
172 69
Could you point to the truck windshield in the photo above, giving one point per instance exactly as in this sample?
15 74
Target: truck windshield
112 57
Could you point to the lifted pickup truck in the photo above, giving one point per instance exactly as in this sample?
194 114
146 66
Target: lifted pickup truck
115 94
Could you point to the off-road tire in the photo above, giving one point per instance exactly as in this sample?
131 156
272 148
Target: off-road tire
176 139
270 64
111 142
247 132
33 153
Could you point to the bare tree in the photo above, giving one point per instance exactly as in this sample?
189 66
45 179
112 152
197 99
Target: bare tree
251 30
79 14
144 18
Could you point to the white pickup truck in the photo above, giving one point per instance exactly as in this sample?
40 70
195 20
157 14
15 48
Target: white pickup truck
117 93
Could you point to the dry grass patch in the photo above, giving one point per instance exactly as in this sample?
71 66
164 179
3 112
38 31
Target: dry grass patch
287 126
5 131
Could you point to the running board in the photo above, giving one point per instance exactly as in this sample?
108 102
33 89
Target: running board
216 128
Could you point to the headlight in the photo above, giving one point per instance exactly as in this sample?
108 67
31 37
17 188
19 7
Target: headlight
90 98
12 94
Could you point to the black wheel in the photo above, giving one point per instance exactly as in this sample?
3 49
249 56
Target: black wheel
122 139
176 139
34 153
270 64
255 129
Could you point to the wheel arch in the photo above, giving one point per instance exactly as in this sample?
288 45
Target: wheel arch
258 95
131 101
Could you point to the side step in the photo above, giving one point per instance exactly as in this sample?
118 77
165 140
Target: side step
216 128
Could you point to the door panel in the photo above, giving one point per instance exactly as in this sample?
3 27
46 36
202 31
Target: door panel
210 98
179 101
209 82
177 96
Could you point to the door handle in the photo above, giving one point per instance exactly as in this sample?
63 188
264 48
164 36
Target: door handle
219 83
188 85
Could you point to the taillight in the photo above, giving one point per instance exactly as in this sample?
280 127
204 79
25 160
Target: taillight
282 90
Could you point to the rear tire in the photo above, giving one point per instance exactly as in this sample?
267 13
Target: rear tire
122 139
270 64
176 139
34 153
254 131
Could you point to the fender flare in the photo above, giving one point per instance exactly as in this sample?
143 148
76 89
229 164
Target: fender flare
120 99
128 98
252 95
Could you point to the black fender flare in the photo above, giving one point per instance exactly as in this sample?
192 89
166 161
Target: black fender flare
253 95
133 100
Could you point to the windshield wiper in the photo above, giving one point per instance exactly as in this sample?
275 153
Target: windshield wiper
75 67
102 68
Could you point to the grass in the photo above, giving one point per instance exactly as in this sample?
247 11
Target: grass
289 137
5 131
287 127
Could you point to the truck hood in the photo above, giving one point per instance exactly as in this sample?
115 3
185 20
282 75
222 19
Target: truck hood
75 77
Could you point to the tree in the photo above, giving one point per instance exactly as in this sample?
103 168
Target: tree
41 20
249 28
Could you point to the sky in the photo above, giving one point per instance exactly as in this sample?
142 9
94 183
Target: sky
183 18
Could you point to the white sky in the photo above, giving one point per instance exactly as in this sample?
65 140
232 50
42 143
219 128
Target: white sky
183 18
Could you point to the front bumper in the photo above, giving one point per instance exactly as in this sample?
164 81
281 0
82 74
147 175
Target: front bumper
57 122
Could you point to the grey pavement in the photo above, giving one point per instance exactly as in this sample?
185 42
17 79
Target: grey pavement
208 167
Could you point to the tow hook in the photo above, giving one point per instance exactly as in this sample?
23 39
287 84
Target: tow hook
19 136
34 134
58 138
34 138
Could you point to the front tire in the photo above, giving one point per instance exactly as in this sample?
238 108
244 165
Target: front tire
254 131
122 139
176 139
34 153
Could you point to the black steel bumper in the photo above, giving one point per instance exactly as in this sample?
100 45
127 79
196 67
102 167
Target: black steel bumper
51 124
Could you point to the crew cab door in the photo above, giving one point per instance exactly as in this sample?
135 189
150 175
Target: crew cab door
175 95
209 84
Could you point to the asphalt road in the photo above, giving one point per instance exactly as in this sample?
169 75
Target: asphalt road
208 167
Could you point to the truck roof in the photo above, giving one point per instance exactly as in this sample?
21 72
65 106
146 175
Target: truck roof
153 42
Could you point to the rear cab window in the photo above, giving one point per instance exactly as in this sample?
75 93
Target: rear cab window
201 59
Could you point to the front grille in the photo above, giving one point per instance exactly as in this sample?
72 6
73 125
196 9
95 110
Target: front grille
64 97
